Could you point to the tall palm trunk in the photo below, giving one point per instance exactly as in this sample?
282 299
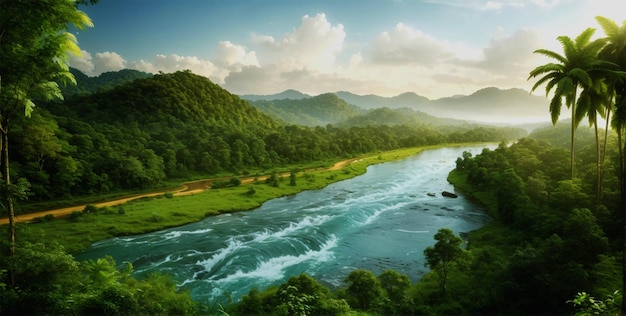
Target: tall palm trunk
622 187
598 160
573 107
606 138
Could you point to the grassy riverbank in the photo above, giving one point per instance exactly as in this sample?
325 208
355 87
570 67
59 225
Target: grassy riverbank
77 231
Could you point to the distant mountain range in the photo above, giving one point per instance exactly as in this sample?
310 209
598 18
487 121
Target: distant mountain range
492 105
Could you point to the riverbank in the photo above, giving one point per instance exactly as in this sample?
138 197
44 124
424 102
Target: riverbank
141 215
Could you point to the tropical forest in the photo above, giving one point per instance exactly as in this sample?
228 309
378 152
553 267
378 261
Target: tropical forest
136 193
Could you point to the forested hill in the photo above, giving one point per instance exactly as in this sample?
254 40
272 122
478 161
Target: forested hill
176 98
403 116
314 111
105 81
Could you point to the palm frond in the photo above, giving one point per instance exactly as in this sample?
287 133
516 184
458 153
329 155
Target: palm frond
569 47
555 108
609 26
581 76
551 54
583 38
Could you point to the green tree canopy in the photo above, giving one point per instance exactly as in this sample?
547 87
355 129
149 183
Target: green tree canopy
446 252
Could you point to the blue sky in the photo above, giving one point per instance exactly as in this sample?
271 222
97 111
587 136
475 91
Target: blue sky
435 48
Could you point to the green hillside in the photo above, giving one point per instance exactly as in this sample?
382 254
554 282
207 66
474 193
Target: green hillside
181 96
105 81
314 111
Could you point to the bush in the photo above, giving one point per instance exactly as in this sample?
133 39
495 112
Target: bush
74 216
155 218
90 208
234 181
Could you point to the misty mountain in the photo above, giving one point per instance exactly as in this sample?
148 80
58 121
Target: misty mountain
493 105
370 101
312 111
287 94
403 116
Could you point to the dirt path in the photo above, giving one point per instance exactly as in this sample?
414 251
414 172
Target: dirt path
187 188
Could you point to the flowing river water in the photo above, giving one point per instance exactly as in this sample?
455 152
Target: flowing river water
383 219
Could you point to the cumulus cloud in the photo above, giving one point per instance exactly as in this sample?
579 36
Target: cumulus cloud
108 61
84 62
512 56
313 45
173 63
404 45
236 56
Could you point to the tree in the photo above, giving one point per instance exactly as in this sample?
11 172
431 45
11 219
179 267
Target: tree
446 252
615 51
364 289
34 45
569 73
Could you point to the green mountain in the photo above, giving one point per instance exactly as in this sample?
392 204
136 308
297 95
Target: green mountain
181 96
402 116
314 111
105 81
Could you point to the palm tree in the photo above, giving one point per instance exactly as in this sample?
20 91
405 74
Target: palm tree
570 72
615 51
595 101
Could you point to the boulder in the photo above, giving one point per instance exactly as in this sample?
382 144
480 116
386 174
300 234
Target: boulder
449 194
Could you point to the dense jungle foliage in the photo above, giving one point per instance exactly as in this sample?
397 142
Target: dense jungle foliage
179 126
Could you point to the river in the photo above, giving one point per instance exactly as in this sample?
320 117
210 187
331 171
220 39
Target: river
383 219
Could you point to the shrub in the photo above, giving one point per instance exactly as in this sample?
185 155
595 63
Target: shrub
74 216
155 218
234 181
90 208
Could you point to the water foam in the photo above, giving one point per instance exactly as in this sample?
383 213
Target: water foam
178 233
273 268
377 213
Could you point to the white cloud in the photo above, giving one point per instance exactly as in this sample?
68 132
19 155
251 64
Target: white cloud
404 45
108 61
83 63
511 54
313 45
235 56
173 63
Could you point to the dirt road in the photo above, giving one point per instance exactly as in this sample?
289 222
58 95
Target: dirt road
186 189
